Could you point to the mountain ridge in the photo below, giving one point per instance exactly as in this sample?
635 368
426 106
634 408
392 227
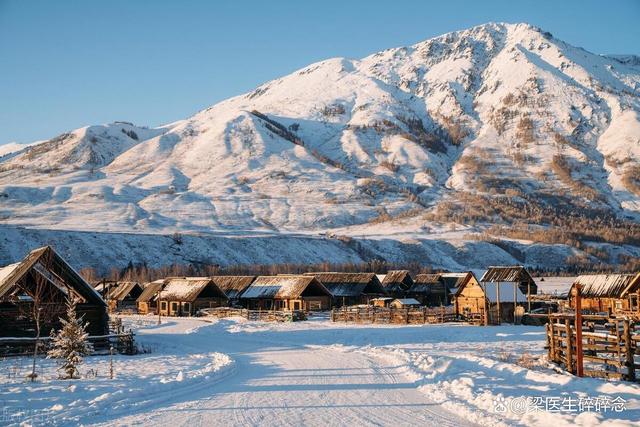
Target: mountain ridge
489 131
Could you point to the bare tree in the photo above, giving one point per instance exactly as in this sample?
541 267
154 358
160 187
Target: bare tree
42 307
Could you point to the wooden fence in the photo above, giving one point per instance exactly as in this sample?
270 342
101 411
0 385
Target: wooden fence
609 345
260 315
406 316
122 343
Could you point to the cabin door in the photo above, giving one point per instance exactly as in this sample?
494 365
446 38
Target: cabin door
296 305
186 308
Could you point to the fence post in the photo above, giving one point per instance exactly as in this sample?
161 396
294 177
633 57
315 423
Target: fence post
628 350
569 353
578 327
552 346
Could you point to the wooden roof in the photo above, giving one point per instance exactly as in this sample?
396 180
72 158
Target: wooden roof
233 286
513 273
607 285
189 289
151 290
54 268
283 287
427 283
350 284
397 280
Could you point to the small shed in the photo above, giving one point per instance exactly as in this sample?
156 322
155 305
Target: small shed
233 286
287 292
43 279
397 282
147 302
613 293
494 302
350 288
404 303
184 296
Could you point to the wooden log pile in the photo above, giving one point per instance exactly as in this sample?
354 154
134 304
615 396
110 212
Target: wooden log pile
396 316
259 315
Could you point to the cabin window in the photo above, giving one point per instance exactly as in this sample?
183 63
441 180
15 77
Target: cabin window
296 305
633 302
163 305
174 307
618 305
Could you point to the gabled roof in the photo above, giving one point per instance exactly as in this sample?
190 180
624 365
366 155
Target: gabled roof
233 286
454 280
606 285
123 290
350 284
427 283
151 290
282 287
188 289
51 266
512 273
399 280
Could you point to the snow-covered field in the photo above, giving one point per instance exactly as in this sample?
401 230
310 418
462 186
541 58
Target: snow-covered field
235 372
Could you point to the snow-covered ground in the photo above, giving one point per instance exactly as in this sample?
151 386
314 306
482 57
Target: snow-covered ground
236 372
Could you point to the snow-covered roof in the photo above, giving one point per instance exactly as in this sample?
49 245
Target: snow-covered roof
282 287
607 285
233 286
189 289
506 292
50 265
6 271
555 285
406 301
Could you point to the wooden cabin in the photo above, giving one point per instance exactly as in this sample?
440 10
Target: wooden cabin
350 288
608 293
404 303
498 300
233 286
429 289
147 301
184 296
287 292
511 274
44 280
119 295
397 282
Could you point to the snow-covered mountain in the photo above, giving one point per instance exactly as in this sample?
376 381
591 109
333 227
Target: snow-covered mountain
393 145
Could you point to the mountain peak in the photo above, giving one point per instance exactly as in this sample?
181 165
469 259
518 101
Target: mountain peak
454 130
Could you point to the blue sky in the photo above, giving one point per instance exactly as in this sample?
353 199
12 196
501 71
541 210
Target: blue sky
66 64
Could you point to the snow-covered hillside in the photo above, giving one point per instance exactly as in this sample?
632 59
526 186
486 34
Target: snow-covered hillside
359 147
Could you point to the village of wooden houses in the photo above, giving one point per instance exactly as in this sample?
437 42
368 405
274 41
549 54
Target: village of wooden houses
584 326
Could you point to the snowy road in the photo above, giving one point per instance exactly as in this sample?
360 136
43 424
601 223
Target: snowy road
304 385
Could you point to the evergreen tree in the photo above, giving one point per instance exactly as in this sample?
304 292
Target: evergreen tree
70 343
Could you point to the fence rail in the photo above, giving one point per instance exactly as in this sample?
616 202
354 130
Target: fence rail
609 345
258 315
406 316
18 346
